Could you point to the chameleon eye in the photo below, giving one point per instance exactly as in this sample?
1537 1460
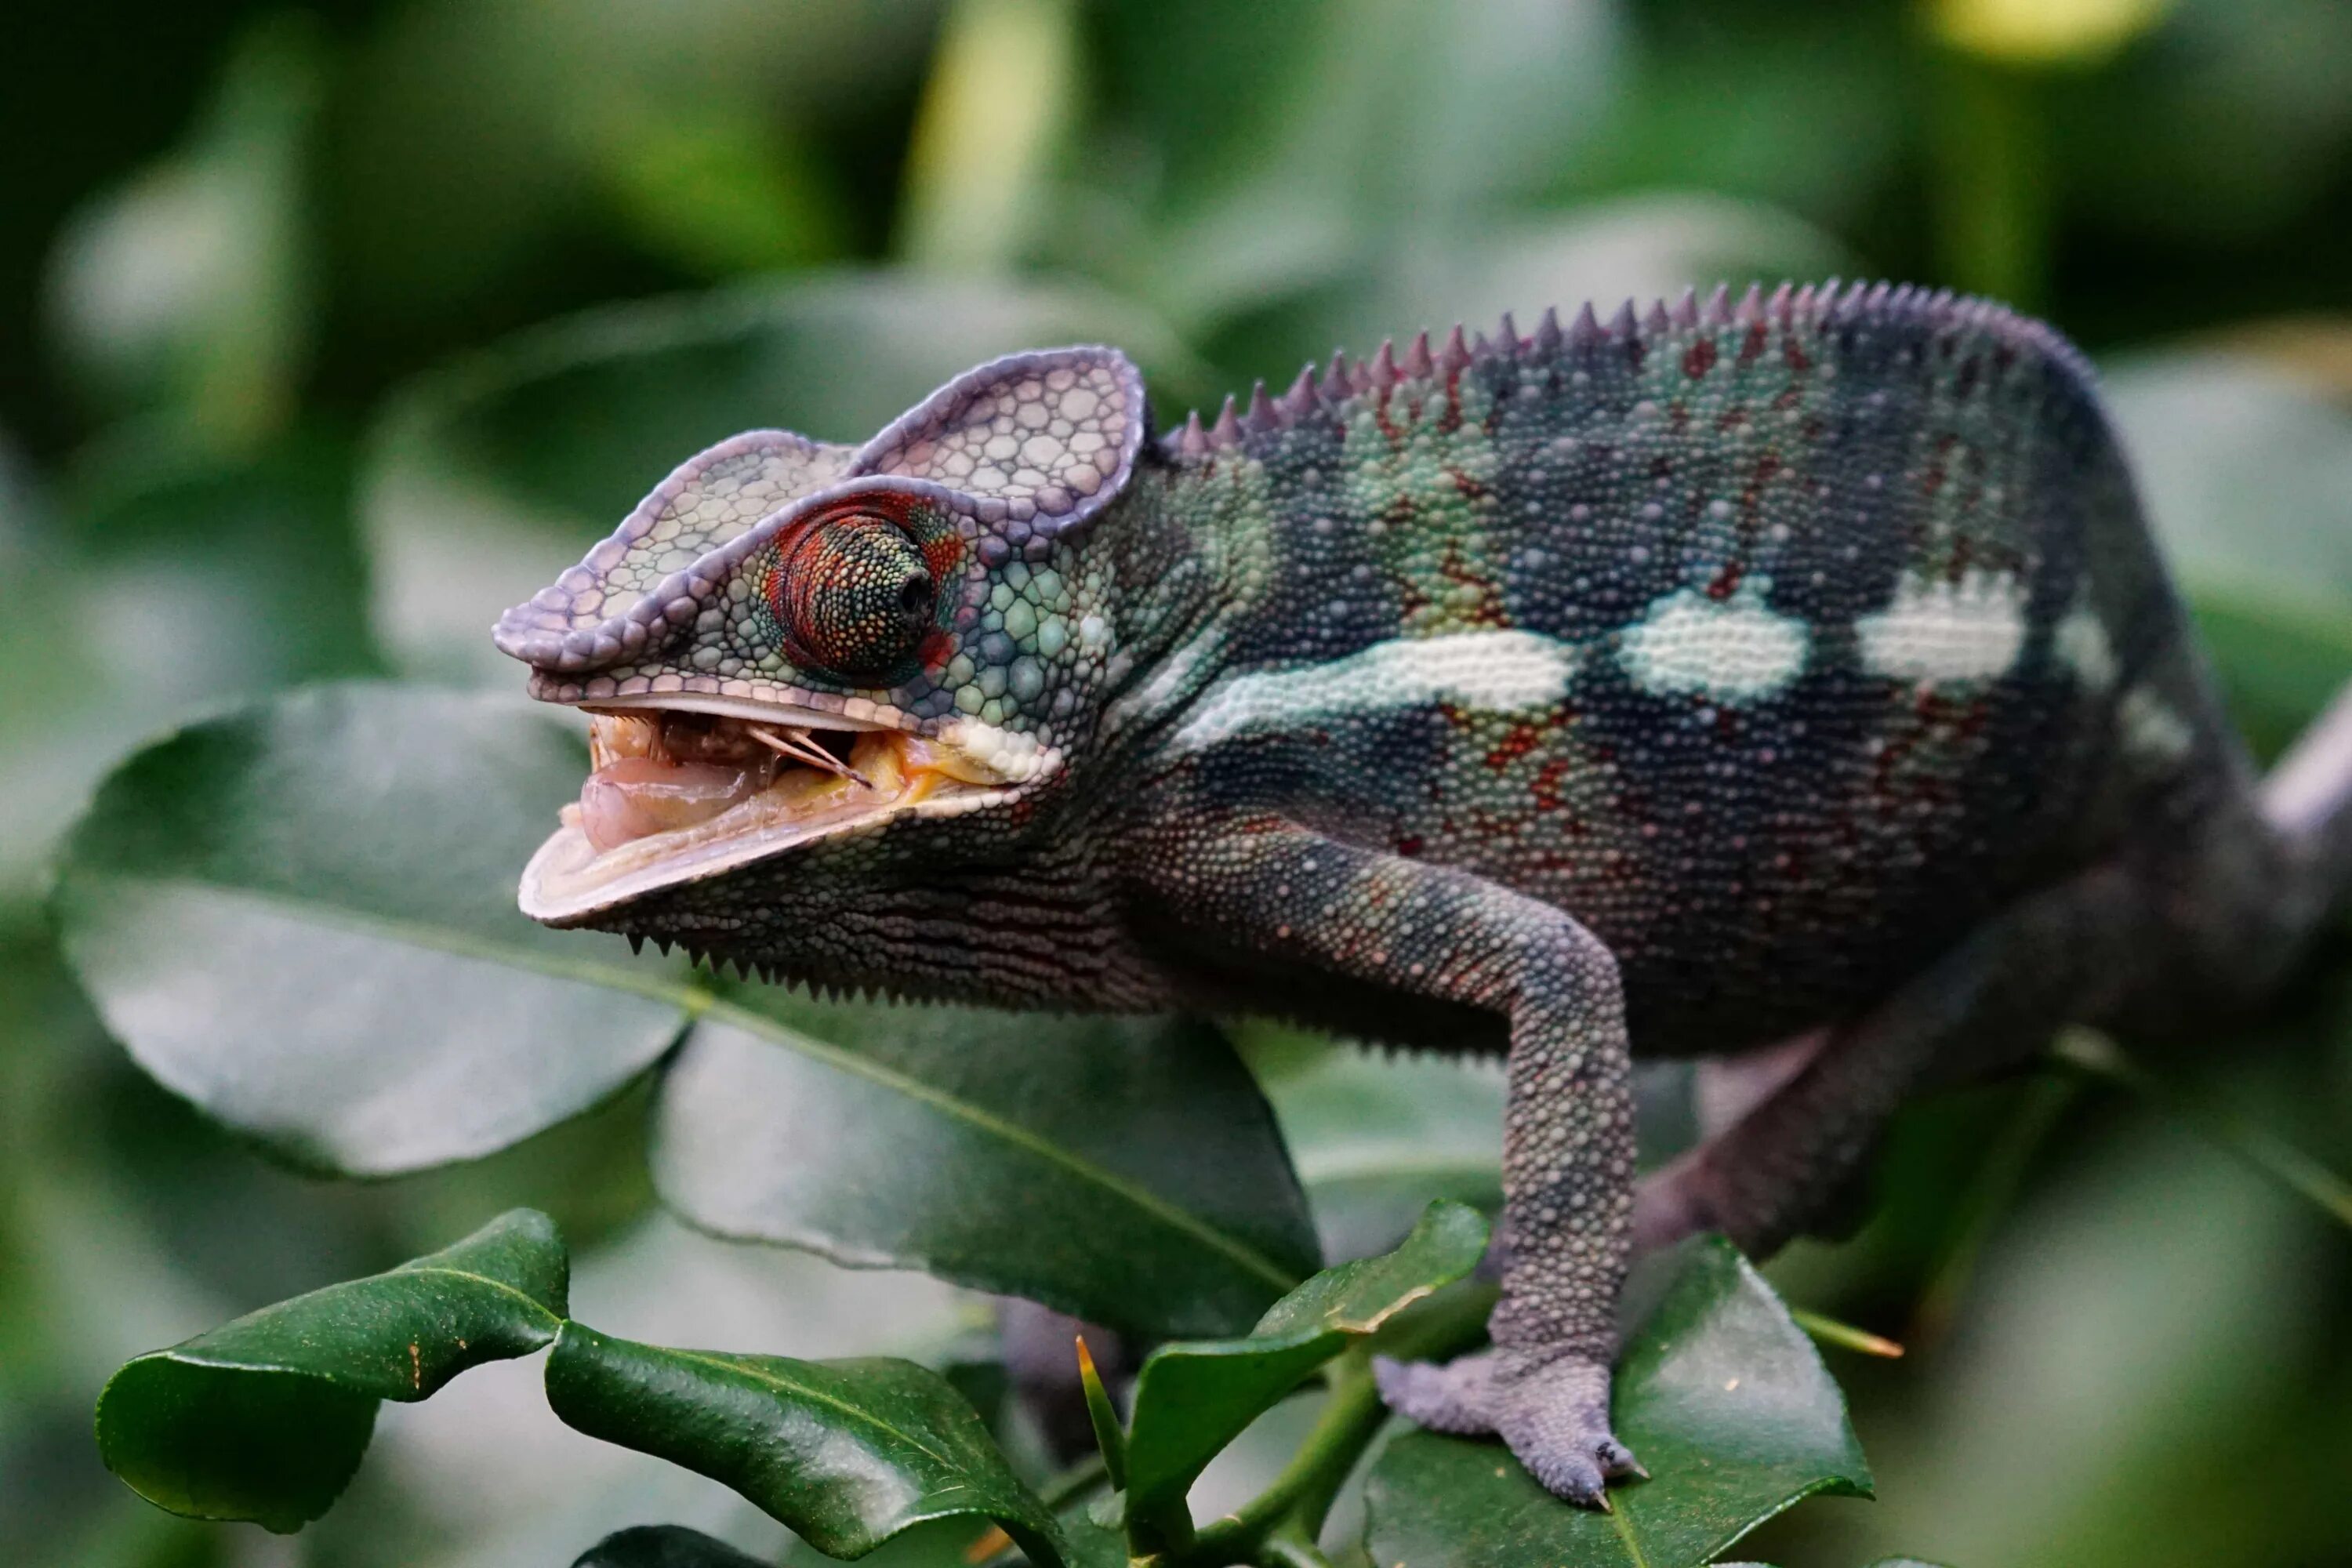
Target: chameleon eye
854 595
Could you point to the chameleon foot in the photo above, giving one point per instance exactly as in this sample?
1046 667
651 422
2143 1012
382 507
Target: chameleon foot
1551 1409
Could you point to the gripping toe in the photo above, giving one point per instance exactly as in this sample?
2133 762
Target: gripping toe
1553 1411
1458 1397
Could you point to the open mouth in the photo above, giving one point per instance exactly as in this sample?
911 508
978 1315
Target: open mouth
679 794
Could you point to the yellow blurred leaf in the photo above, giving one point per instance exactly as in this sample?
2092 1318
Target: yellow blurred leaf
2043 32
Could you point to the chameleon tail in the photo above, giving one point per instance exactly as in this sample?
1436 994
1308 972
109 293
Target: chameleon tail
2307 799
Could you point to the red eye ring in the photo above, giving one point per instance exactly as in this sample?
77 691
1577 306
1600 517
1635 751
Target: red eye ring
854 595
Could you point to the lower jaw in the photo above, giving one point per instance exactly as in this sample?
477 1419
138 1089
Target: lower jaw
672 801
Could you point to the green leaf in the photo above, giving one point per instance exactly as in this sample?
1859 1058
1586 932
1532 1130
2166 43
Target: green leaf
1123 1171
1720 1395
662 1546
1110 1437
486 479
301 918
845 1453
1191 1399
266 1419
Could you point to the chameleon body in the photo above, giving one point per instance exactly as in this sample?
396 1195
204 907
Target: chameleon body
1795 672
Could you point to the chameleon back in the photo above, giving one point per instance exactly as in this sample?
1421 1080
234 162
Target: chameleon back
1778 643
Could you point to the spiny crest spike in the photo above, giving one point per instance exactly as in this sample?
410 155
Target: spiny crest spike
1192 441
1586 330
1621 326
1455 356
1480 348
1417 362
1299 400
1506 334
1751 308
1777 307
1547 334
1227 430
1683 313
1384 366
637 942
1718 312
1337 381
1659 321
1260 416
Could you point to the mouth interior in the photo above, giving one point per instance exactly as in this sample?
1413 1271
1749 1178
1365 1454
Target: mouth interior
667 780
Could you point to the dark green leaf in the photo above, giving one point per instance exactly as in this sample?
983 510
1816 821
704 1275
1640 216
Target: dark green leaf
1191 1399
301 918
662 1546
1718 1393
266 1419
1123 1171
486 480
847 1453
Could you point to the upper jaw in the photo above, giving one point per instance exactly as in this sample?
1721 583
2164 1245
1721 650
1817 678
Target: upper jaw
676 800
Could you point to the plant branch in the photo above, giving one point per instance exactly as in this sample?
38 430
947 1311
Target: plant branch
1279 1528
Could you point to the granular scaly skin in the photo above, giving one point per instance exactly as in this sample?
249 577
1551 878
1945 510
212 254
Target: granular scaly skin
1797 666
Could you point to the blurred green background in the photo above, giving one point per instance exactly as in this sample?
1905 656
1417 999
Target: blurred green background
325 332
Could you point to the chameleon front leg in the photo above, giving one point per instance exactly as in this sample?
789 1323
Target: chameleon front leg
1277 890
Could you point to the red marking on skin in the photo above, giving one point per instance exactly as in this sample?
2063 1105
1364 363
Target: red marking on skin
1487 611
1545 789
1471 489
1451 420
1940 465
1698 358
1793 355
1732 418
1751 347
1788 398
938 651
1727 581
1389 428
1409 846
1517 742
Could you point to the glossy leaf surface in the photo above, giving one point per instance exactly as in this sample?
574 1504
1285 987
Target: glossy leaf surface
266 1419
1193 1398
1123 1171
847 1453
301 918
1718 1393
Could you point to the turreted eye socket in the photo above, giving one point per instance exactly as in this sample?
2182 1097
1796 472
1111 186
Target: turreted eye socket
854 595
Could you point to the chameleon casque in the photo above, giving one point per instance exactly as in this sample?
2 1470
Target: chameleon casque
1791 676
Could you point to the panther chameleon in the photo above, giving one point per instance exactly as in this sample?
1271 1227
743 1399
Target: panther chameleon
1793 676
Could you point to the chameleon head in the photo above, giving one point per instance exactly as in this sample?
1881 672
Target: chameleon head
793 651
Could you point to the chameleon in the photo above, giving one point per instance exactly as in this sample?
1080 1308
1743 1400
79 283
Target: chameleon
1790 679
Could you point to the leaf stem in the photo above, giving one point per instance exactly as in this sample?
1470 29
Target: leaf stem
1296 1504
1845 1336
2094 1056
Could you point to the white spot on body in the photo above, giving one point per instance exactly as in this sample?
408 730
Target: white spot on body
1937 631
1733 650
2151 727
1504 672
2081 645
